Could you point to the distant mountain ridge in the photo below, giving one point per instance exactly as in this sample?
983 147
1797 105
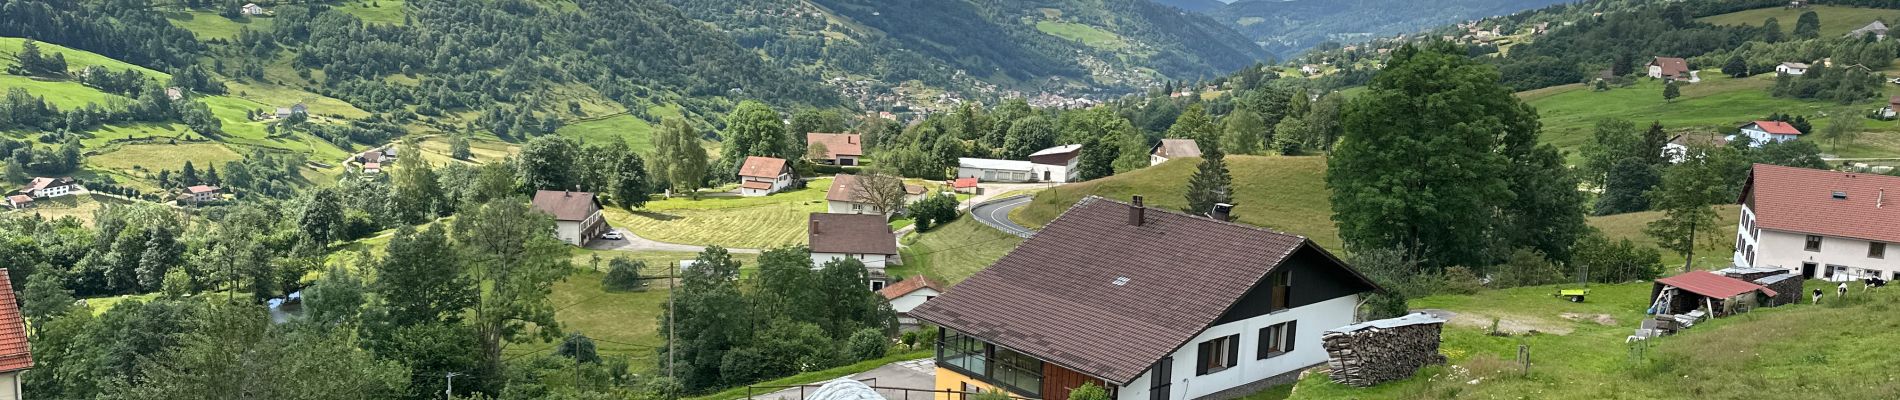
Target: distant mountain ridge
1287 28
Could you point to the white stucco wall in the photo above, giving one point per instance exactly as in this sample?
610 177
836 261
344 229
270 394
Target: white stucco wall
568 231
1788 250
905 303
993 175
10 386
1313 319
846 207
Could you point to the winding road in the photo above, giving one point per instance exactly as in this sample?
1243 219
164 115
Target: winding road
995 213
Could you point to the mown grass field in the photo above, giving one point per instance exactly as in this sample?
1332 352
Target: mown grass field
1088 35
81 206
375 11
635 131
1795 351
1835 20
207 24
1717 104
740 222
1282 193
154 157
954 251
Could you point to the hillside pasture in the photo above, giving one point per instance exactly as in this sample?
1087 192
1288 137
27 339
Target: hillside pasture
1717 104
207 24
375 11
1282 193
1835 20
81 206
75 59
636 132
153 157
727 220
1087 35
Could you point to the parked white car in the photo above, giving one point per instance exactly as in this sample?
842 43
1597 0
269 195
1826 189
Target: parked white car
612 235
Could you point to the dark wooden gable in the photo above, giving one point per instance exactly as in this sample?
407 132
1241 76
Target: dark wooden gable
1315 278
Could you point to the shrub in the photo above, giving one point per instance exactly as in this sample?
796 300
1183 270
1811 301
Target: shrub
867 344
934 210
579 347
1525 267
622 275
1089 391
1460 280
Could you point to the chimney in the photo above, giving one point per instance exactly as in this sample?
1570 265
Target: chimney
851 139
1222 212
814 227
1136 211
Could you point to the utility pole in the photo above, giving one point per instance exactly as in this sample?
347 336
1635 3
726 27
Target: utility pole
450 392
672 270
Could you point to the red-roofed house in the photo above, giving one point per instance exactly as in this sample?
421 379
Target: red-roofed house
964 185
16 354
1671 68
201 194
1818 223
1892 109
45 187
840 148
760 176
1762 132
907 294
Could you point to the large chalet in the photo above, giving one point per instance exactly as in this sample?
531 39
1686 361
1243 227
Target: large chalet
1818 223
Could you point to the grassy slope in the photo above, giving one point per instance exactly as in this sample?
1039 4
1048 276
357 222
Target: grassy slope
375 11
1835 20
744 222
209 25
637 132
1088 35
954 251
1283 193
1769 353
76 206
1715 255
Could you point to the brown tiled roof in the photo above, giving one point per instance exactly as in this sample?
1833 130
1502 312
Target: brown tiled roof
837 144
1177 148
1700 138
915 190
844 187
851 234
906 286
1098 295
45 182
1776 127
1801 200
1671 66
566 206
20 199
15 353
1709 284
762 167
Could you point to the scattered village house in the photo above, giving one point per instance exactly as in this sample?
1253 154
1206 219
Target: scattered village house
1671 68
840 148
16 351
251 9
19 201
1818 223
1792 68
286 112
1054 164
1151 304
907 294
964 185
1876 28
1169 149
577 218
47 187
867 238
1762 132
847 196
760 176
200 194
1680 146
1893 104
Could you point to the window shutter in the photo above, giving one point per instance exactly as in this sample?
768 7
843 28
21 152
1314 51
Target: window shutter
1291 337
1200 355
1266 341
1233 351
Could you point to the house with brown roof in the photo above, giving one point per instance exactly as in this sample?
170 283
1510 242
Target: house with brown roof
848 196
760 176
907 294
16 352
201 194
840 148
867 238
1818 223
1169 149
1672 68
1762 132
1149 303
19 201
577 218
1056 164
1682 146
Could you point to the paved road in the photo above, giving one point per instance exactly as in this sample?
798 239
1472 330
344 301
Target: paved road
632 242
995 213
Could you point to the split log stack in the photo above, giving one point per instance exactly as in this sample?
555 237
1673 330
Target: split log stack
1380 351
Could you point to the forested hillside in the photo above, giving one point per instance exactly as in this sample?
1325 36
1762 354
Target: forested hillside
978 48
1287 28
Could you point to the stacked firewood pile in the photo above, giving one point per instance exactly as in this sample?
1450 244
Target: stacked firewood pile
1375 352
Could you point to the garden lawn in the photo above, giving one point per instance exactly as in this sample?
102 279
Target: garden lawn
1835 20
954 251
657 262
731 221
1794 351
621 323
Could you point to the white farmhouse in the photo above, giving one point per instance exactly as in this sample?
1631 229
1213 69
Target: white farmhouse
577 218
1762 132
846 196
1113 294
760 176
1055 164
1818 224
992 170
1792 68
1169 149
867 238
45 187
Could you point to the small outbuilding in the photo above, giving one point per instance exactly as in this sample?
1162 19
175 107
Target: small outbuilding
1703 290
1787 285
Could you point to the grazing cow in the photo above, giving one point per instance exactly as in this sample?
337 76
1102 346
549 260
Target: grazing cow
1842 290
1817 296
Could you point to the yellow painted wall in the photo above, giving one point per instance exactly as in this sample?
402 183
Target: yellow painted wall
948 379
